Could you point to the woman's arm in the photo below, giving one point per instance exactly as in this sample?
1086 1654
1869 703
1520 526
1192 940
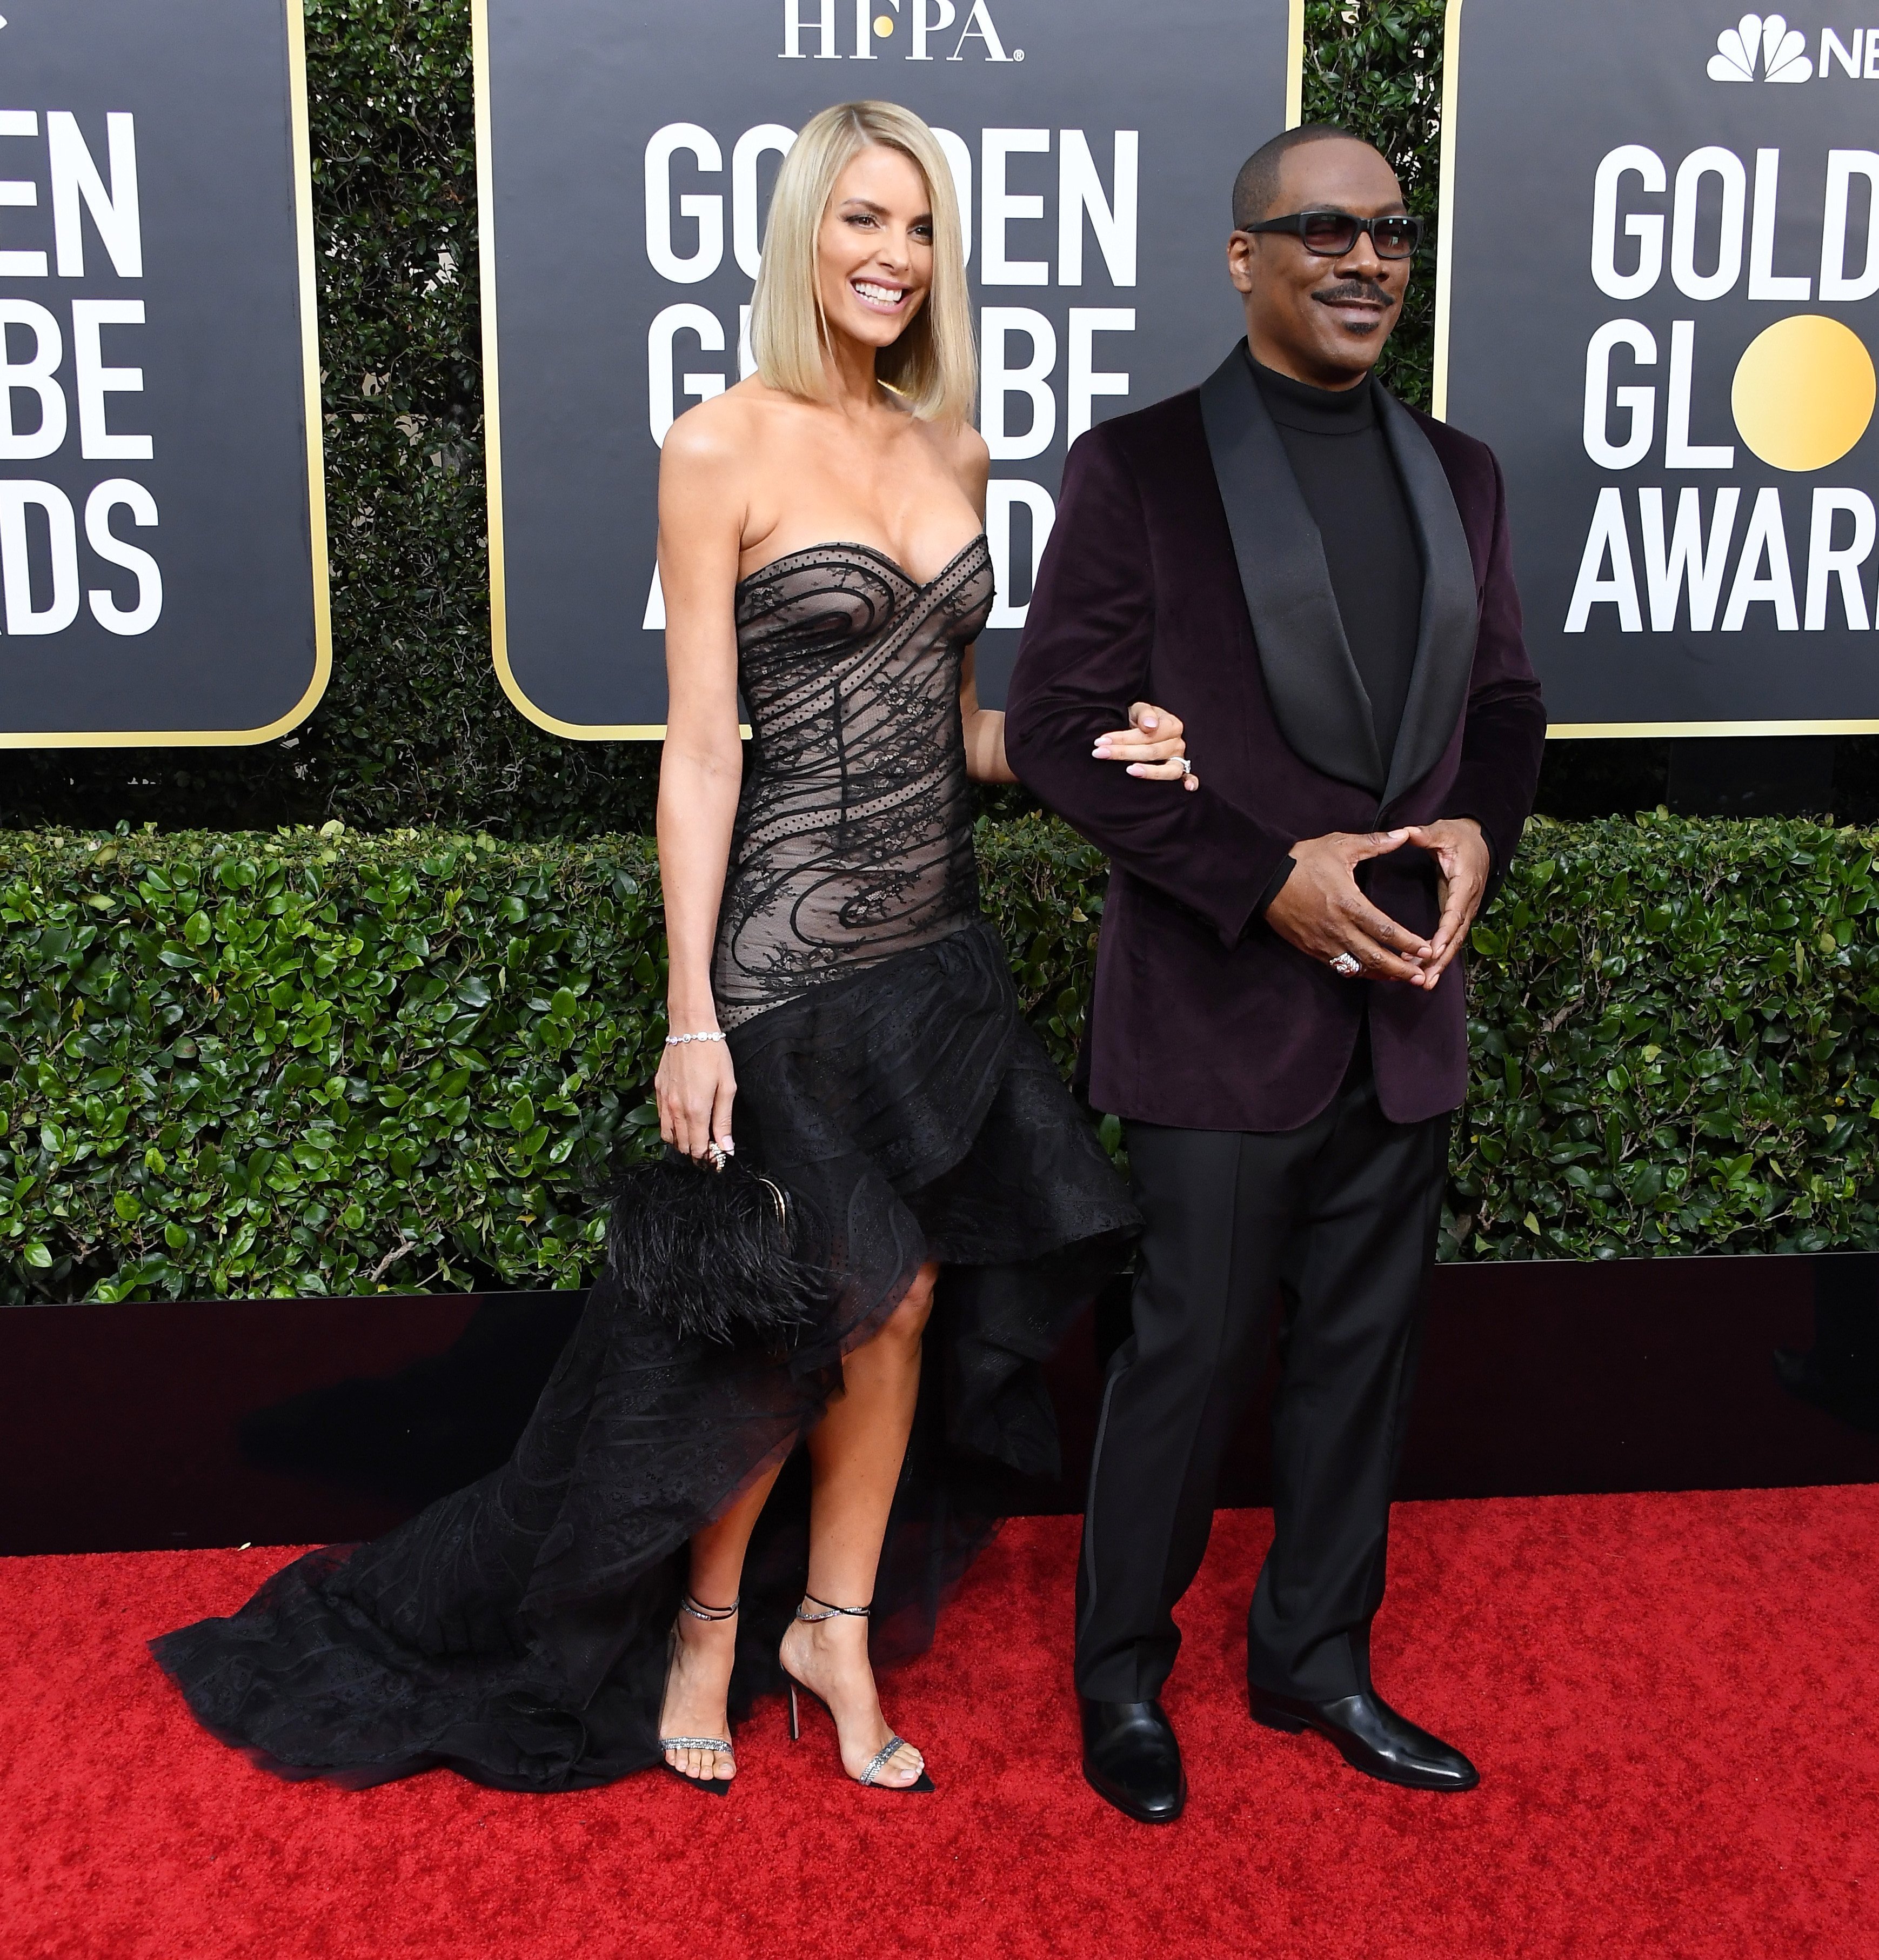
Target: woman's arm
1089 646
1150 746
701 523
984 727
985 730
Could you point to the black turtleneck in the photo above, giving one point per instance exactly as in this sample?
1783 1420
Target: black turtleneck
1342 460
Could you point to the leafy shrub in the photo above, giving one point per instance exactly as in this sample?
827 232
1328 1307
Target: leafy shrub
319 1062
1674 1049
316 1063
1376 68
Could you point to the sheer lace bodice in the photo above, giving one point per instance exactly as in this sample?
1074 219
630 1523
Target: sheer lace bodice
853 840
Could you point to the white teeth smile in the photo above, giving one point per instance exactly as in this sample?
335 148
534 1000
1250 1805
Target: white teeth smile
883 296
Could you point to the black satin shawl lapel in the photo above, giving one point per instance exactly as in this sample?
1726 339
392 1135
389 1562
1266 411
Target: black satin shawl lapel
1451 615
1321 709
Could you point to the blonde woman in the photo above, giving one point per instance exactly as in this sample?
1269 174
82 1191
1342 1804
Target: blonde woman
609 1598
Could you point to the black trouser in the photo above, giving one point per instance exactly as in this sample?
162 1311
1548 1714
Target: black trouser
1337 1220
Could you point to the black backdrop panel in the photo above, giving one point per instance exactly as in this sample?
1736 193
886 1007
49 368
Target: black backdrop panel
628 156
286 1421
1662 290
162 548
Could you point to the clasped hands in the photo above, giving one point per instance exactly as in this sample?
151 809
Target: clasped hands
1320 909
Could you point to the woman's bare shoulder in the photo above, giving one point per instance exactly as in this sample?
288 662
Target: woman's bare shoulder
733 430
716 433
957 445
967 447
967 457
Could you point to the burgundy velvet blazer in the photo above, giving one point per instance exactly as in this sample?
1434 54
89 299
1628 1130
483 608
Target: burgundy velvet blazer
1178 528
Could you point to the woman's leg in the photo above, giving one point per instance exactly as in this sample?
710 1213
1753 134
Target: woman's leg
698 1689
855 1453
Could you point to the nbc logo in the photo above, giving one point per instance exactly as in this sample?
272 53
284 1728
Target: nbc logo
1780 50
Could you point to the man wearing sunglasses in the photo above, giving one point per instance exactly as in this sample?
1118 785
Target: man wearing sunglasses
1319 581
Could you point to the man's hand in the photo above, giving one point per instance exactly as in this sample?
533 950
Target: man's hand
1462 864
1320 911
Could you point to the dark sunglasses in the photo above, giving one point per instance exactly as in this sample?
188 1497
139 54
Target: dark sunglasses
1329 234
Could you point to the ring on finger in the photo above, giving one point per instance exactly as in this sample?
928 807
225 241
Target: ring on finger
1345 965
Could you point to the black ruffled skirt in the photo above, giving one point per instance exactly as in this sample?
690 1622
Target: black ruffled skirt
515 1630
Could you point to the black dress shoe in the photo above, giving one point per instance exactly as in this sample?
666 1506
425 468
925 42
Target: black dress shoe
1372 1737
1130 1757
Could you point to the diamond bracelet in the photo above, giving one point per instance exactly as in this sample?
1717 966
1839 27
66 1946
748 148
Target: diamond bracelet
679 1041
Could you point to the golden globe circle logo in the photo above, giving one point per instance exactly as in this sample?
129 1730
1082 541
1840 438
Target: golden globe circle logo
1761 47
1803 392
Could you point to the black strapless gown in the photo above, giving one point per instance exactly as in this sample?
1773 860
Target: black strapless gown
515 1630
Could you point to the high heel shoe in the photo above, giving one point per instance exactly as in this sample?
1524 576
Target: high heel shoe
715 1786
922 1783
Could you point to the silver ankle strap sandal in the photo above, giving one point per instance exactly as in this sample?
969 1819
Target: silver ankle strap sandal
833 1612
895 1745
722 1745
923 1782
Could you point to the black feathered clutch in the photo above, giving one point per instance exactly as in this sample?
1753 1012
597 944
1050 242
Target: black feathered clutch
713 1248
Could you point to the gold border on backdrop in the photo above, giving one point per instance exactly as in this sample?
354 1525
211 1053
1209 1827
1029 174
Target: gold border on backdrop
1295 65
1572 731
1559 731
319 567
647 731
1445 206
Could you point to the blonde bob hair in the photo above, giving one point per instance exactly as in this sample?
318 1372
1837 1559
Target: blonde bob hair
933 366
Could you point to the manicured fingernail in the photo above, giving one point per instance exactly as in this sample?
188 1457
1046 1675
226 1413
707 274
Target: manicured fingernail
728 1147
1149 721
1134 768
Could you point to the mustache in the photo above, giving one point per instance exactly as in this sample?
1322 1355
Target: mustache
1354 289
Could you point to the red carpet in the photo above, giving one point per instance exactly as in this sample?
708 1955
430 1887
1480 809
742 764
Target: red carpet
1670 1698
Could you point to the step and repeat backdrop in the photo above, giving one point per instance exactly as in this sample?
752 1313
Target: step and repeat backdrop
628 154
1660 236
162 543
1659 289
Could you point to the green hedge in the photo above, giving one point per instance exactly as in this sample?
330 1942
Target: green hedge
319 1062
315 1063
1674 1044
